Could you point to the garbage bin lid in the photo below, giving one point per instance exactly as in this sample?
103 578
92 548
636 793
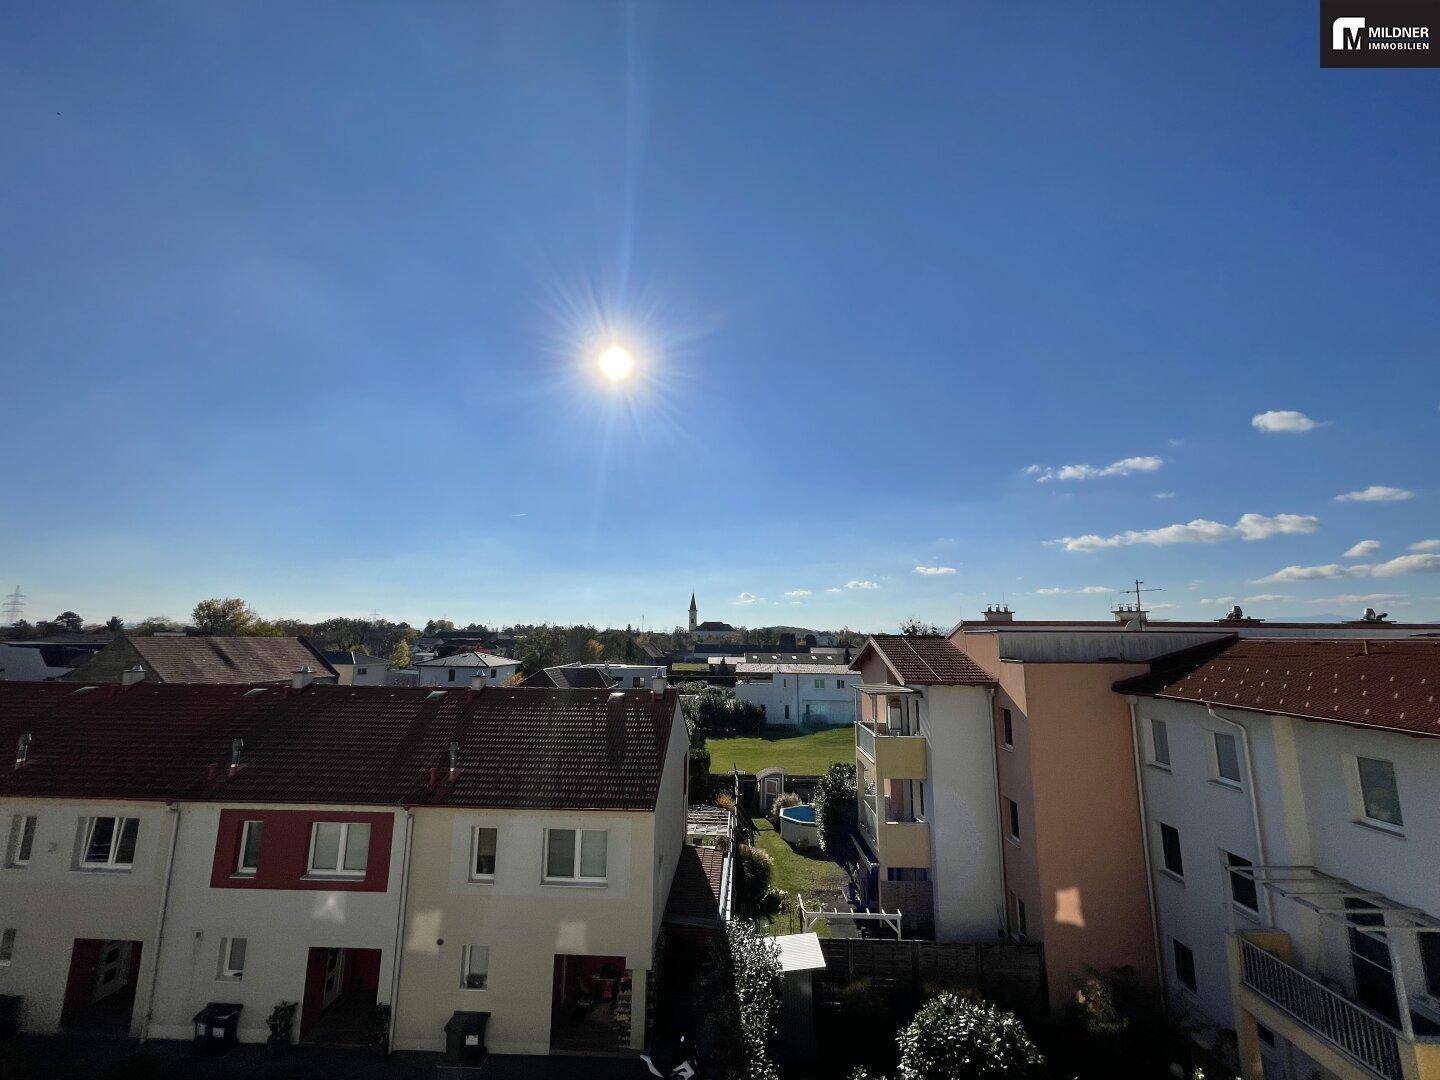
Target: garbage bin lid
462 1020
217 1010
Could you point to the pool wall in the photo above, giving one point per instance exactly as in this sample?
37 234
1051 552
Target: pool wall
796 829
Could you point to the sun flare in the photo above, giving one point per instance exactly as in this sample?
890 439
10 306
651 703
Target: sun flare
616 363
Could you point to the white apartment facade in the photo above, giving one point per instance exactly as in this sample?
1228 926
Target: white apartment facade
799 694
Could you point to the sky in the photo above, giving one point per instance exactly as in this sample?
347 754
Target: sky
932 306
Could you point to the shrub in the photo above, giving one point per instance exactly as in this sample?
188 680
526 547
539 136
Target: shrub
788 799
281 1020
715 711
725 801
835 808
956 1038
738 1005
1114 1024
753 870
699 773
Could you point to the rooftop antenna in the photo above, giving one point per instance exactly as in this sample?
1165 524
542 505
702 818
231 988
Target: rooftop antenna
1138 589
14 605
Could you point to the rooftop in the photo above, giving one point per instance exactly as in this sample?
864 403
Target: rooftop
221 660
1389 684
571 677
925 660
755 668
468 659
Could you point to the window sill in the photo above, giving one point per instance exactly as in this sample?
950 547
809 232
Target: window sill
574 883
1008 746
474 989
1245 912
1230 785
1381 827
87 869
340 878
488 879
1159 766
1013 840
1178 878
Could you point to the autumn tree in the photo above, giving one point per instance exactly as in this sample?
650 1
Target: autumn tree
228 616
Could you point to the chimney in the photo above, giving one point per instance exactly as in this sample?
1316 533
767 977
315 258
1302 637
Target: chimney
1128 614
22 749
454 759
998 613
477 682
659 684
133 675
302 678
236 745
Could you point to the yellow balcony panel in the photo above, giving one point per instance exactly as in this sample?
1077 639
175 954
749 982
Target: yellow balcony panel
904 843
900 757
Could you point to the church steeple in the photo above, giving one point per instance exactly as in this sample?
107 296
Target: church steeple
694 613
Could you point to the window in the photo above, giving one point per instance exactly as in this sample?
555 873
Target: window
1170 847
1227 757
1014 813
7 946
109 842
450 674
362 671
787 712
232 957
575 854
1184 963
839 684
248 860
1159 744
22 839
1242 886
904 800
1378 791
1265 1035
339 848
819 684
636 682
474 967
482 860
1007 722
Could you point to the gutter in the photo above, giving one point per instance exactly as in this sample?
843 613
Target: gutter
401 913
173 808
999 813
1145 844
1254 805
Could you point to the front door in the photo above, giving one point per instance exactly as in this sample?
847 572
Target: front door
112 971
769 792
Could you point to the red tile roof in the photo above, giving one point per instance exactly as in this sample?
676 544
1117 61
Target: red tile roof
925 660
1392 684
695 892
370 745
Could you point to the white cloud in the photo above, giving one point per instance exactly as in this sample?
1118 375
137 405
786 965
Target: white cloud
1218 600
1265 598
1123 467
1084 590
1283 421
1376 493
835 589
1363 549
1199 531
1401 564
1425 545
1362 598
861 585
934 571
747 598
795 594
1164 494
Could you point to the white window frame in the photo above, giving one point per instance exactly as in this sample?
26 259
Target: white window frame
576 878
476 875
17 857
1155 759
339 871
228 970
1363 810
7 945
110 862
466 953
241 870
1218 776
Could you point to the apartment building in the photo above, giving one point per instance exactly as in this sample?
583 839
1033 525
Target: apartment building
796 694
925 778
1291 821
169 846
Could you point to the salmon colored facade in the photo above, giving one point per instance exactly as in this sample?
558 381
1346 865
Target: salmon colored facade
1078 864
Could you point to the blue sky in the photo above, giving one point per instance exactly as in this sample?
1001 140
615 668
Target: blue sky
300 303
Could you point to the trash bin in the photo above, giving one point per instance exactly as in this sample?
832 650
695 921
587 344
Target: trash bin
217 1027
465 1038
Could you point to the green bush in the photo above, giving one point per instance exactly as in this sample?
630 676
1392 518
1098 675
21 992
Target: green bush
957 1038
753 871
835 809
713 711
737 1001
788 799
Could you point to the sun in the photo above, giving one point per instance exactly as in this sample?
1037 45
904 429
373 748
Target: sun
616 363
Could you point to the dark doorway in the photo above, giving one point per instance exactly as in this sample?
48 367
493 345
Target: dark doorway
590 1005
340 989
100 990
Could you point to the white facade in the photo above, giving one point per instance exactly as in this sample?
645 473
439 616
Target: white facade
633 676
1310 812
458 670
796 694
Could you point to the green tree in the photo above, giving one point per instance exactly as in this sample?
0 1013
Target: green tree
918 628
539 647
400 654
156 624
435 626
958 1038
229 616
115 624
738 1005
68 622
835 808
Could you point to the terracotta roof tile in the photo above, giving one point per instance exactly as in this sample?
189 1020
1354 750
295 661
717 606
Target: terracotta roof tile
1392 684
695 892
926 660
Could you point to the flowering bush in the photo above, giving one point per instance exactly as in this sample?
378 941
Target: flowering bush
956 1038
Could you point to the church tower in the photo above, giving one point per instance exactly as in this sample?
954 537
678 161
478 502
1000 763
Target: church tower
694 613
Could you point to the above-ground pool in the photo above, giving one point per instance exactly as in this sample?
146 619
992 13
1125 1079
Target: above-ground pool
797 825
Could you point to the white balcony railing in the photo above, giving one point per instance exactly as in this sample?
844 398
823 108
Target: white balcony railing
867 820
1347 1025
865 739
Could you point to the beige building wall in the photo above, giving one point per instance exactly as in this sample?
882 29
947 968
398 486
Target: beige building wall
51 902
525 921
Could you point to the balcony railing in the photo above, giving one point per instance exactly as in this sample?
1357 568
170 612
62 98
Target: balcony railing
865 739
1349 1026
867 820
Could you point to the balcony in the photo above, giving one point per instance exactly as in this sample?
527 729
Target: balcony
896 756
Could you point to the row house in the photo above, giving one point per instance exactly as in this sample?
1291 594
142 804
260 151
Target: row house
1291 826
488 850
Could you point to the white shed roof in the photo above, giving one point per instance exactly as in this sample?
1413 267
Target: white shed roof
800 952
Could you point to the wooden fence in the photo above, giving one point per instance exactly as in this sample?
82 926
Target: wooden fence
904 973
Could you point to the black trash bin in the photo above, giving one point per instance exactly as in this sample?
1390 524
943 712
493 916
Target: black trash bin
217 1027
465 1038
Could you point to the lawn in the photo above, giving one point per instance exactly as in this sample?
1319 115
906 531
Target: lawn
793 749
807 872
